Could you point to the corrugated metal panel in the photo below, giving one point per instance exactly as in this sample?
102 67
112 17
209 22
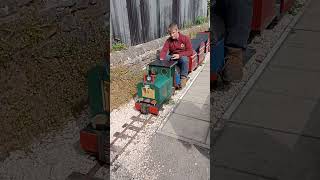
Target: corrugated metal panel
139 21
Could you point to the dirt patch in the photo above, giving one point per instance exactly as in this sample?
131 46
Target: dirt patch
123 84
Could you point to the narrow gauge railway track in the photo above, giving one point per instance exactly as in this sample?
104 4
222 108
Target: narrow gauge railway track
114 150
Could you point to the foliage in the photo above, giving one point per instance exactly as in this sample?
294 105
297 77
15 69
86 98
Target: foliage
201 20
187 24
118 47
123 84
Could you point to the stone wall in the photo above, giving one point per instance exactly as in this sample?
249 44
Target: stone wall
46 48
145 53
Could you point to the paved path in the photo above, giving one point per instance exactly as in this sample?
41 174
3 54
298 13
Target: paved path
190 119
275 132
181 145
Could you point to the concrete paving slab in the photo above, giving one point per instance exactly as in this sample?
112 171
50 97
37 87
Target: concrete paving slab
202 82
207 65
309 21
226 174
290 82
313 125
203 78
172 159
204 75
194 97
186 127
206 70
253 150
300 58
199 89
274 111
303 39
268 153
310 18
195 110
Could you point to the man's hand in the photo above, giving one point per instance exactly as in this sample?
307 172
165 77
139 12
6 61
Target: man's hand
175 56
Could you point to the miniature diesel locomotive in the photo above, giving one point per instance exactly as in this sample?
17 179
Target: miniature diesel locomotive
94 137
156 87
163 77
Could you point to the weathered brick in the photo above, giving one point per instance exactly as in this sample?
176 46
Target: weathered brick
82 4
68 23
4 11
67 3
48 14
24 2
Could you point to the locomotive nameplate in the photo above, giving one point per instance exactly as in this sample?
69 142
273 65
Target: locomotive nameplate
147 92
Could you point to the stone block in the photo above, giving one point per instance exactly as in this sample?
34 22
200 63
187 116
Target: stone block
82 4
24 2
4 11
48 14
67 3
186 127
68 23
93 2
139 50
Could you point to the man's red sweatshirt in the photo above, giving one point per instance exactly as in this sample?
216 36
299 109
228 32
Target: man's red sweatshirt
181 46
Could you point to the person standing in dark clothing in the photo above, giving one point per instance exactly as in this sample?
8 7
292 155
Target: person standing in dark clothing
232 21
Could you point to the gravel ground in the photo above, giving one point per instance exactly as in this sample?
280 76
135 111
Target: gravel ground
54 157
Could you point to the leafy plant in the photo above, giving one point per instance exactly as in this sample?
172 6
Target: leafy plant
118 47
188 24
201 19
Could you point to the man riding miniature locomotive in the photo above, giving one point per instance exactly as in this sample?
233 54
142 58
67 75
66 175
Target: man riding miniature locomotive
179 47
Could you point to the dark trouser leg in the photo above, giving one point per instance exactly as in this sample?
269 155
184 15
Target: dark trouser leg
238 16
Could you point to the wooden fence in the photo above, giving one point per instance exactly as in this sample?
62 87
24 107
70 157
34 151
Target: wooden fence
138 21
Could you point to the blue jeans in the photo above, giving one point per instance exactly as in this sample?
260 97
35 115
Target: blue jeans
183 64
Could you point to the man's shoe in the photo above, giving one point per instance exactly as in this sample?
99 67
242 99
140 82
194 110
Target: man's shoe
233 68
183 81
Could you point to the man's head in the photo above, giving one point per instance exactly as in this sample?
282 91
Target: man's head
173 31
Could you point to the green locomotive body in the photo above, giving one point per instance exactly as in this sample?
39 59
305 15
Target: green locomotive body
156 87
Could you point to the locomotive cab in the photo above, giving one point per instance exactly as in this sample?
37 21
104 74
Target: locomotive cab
93 137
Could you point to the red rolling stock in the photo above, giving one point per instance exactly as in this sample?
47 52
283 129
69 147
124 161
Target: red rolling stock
286 5
201 53
193 61
264 11
208 40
